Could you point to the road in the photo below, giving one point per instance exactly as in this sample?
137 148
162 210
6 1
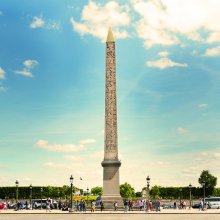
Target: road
58 215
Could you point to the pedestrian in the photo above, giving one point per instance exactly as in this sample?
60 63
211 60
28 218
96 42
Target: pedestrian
150 205
201 207
93 206
83 205
48 206
126 205
174 205
115 205
101 205
158 205
60 205
130 204
140 203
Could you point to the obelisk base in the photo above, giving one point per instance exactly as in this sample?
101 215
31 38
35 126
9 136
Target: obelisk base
111 188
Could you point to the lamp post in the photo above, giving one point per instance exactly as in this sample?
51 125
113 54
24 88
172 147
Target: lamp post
190 195
71 184
87 189
41 190
148 186
16 183
180 196
31 207
203 184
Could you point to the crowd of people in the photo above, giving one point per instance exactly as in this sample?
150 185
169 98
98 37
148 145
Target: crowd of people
92 206
143 205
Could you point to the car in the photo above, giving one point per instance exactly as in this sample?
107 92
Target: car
3 206
37 203
196 206
214 205
168 206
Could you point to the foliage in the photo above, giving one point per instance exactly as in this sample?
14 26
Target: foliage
209 180
138 194
98 190
155 192
47 192
127 191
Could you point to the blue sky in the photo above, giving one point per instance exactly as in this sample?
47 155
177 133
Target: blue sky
52 78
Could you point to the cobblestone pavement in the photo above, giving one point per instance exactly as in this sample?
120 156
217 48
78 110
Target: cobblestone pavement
110 215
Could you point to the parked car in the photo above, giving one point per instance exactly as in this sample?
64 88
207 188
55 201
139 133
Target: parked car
3 206
196 206
37 203
168 206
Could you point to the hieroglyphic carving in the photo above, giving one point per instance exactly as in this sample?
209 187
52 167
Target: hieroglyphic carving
111 139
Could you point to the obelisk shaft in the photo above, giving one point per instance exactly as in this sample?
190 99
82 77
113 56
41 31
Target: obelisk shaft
111 163
111 137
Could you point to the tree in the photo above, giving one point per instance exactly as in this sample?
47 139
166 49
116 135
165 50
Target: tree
127 191
155 192
98 190
138 194
209 180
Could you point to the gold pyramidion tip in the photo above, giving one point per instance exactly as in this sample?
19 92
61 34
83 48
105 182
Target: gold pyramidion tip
110 37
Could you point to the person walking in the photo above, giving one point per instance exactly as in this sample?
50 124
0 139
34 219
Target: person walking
130 204
126 205
48 206
93 206
115 205
102 205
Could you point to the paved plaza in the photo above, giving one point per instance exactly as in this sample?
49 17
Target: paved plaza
110 215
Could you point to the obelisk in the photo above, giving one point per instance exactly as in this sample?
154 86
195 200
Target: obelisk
111 164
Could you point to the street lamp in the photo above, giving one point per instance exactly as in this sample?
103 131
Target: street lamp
87 189
71 184
31 197
180 196
148 186
203 184
41 190
16 183
190 195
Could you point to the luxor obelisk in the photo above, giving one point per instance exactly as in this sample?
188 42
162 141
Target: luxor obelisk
111 163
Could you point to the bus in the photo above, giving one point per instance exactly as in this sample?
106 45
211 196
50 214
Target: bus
213 202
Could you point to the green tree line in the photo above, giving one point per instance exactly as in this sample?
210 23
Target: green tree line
47 192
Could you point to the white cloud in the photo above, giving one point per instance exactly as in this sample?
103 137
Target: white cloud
30 63
24 72
191 171
164 63
181 130
37 22
96 18
53 25
43 144
215 51
214 37
70 157
2 73
40 22
164 21
203 105
163 54
87 141
27 179
97 155
62 166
